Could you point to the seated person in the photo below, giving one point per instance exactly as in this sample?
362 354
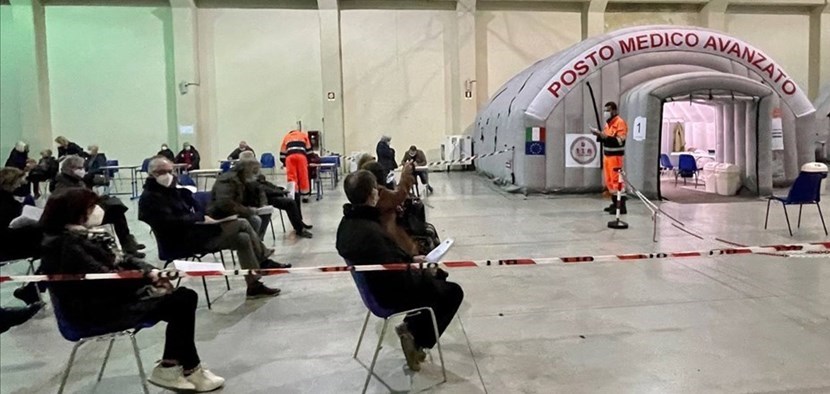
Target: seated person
72 246
20 242
46 170
362 240
277 197
228 196
72 176
68 148
166 153
189 156
390 202
92 165
243 147
420 159
173 214
18 156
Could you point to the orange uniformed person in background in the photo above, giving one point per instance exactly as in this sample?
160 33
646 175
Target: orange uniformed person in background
295 147
613 144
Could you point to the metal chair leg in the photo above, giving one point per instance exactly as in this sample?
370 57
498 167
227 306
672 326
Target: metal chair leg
141 373
207 295
438 343
787 216
222 258
282 220
69 365
106 358
800 207
821 215
375 357
271 224
766 221
362 331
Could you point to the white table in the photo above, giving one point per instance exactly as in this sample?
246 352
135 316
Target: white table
204 173
133 193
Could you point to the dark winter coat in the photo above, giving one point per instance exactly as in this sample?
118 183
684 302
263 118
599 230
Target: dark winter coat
231 195
17 159
66 181
167 154
386 156
20 242
47 168
189 157
236 152
174 214
362 241
93 164
71 149
95 306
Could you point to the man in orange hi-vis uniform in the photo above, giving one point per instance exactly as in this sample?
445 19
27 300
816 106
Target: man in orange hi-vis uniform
613 144
295 147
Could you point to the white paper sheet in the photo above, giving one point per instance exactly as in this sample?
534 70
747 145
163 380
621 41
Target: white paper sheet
436 254
29 217
266 210
193 266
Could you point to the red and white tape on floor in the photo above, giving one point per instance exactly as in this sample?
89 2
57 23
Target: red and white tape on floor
818 248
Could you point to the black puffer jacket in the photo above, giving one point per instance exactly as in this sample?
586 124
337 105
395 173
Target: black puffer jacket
386 156
66 181
94 305
72 149
362 241
173 215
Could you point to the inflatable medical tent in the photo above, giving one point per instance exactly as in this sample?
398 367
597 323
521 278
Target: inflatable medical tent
765 123
823 125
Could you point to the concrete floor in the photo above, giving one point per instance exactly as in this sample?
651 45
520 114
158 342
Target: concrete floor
731 324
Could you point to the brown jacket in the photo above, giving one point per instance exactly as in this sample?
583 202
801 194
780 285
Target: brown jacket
420 158
388 203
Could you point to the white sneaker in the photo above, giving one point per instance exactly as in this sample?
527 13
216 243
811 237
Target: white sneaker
171 378
204 380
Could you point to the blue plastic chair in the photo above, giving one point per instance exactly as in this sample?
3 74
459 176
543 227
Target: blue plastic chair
333 171
267 160
81 336
145 165
686 168
374 308
225 166
186 180
665 163
805 190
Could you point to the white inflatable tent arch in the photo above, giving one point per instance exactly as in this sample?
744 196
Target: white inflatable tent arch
823 125
554 94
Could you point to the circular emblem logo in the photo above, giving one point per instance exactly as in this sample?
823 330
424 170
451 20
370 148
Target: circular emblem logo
583 150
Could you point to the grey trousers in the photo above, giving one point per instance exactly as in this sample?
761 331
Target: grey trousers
238 235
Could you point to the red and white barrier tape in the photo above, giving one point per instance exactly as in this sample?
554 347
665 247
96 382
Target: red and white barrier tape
818 247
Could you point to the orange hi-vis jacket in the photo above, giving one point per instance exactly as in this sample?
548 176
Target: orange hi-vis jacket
295 142
615 132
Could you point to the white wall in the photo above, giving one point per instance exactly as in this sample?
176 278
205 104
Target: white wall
10 126
265 66
393 78
517 39
619 20
783 37
107 78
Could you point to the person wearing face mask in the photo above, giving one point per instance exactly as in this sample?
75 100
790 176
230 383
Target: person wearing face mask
612 139
72 245
166 153
46 170
73 175
94 161
173 214
243 147
188 155
362 240
228 196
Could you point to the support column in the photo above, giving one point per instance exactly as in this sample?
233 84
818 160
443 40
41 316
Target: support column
32 72
819 66
460 65
181 47
593 18
713 15
331 67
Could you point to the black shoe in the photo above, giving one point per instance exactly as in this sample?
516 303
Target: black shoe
270 264
27 293
17 316
623 209
304 234
430 190
307 226
137 254
259 290
305 200
613 207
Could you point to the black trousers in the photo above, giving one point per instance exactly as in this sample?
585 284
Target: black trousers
179 311
291 208
443 297
118 220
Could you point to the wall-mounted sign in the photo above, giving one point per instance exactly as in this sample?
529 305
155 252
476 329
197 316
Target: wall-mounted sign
186 129
581 150
639 129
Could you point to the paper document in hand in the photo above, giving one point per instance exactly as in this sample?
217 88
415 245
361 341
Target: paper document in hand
266 210
29 217
227 219
436 254
192 266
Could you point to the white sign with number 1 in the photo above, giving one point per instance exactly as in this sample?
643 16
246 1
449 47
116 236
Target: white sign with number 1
640 128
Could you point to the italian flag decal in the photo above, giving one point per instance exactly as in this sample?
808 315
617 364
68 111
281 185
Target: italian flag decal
535 134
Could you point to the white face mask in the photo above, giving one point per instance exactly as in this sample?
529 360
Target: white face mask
165 180
607 114
95 218
187 148
80 172
164 147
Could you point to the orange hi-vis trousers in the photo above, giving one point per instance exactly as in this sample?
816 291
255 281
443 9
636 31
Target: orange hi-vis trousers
612 178
296 170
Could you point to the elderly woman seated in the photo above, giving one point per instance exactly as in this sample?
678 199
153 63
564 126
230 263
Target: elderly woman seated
73 245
